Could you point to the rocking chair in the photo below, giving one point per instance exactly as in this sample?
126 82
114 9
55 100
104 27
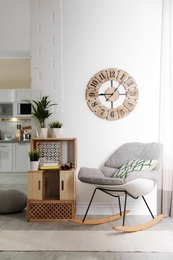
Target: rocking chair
132 170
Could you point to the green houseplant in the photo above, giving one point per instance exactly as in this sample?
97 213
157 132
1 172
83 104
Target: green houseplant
55 124
33 155
40 110
34 160
56 129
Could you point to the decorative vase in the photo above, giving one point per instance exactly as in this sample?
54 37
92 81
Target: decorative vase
42 132
34 165
56 132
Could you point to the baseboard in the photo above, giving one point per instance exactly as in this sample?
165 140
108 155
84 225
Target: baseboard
110 208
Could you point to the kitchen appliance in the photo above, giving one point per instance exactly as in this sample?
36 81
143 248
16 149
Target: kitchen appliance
26 132
26 136
6 109
22 109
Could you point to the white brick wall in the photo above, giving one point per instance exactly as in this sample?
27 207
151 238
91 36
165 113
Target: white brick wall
46 53
49 5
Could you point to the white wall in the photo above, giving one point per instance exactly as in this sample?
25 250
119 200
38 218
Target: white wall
99 34
46 54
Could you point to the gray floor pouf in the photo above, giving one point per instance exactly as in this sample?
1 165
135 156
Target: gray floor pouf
12 201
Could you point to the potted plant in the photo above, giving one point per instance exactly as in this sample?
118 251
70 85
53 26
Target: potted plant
56 129
40 110
34 160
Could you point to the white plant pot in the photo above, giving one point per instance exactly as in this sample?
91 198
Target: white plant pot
34 165
42 132
56 132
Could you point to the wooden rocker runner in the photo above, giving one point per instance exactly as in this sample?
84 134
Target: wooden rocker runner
98 221
123 174
140 227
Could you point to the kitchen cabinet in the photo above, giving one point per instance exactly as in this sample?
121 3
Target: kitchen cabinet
20 157
14 157
7 95
22 94
15 95
5 157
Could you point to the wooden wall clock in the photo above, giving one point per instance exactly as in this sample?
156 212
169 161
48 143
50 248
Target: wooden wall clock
112 94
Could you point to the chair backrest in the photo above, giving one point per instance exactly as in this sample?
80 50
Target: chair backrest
135 150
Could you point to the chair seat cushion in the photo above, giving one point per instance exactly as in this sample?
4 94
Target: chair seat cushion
95 176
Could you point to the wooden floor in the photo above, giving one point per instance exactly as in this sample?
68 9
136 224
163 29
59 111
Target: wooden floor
18 222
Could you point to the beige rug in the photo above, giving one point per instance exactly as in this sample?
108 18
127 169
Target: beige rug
143 241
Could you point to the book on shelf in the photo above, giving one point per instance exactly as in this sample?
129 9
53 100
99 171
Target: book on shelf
48 167
49 164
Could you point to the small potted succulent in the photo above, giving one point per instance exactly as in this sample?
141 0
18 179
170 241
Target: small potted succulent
40 110
34 160
56 129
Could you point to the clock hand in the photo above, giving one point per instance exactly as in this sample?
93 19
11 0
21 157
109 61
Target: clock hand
114 92
103 94
110 95
117 88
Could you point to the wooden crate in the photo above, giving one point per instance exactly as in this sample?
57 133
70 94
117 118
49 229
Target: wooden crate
59 150
50 210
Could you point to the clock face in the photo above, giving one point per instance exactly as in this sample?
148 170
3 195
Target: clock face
112 94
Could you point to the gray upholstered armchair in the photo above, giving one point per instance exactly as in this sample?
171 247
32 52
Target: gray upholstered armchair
132 170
